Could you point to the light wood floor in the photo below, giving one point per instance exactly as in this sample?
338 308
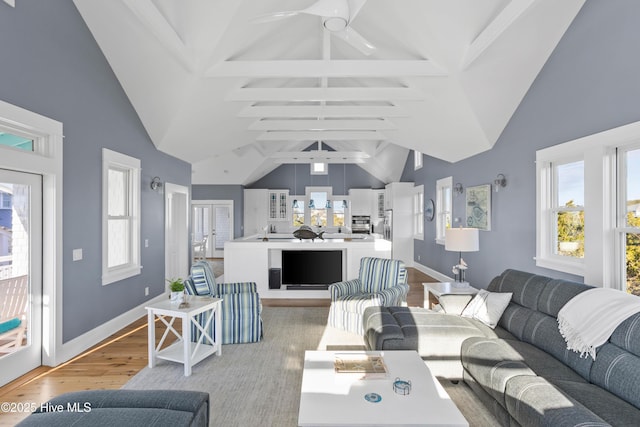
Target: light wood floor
111 363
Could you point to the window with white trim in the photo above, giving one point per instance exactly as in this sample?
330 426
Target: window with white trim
417 160
608 217
628 221
418 213
444 207
120 216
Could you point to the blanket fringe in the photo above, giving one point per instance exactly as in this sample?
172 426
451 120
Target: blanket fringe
574 340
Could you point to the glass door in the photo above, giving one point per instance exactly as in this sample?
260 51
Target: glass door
213 225
20 273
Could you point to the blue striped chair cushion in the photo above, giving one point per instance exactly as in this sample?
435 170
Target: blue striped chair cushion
377 274
204 281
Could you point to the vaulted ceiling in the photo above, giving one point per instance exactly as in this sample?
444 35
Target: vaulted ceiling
236 88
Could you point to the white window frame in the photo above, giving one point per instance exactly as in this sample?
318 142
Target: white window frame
112 159
603 258
417 160
418 212
441 214
45 160
546 167
621 228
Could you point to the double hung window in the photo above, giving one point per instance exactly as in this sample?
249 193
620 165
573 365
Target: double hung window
418 213
444 207
121 216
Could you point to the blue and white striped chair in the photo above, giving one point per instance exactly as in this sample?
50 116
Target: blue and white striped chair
241 306
381 282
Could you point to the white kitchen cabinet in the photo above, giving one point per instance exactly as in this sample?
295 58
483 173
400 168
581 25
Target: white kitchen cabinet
278 205
360 201
256 211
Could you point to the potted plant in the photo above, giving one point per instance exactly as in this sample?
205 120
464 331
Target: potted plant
177 290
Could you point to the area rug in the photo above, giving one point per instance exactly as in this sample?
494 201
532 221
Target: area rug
258 384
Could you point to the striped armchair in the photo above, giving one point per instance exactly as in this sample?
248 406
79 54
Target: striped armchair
241 306
381 282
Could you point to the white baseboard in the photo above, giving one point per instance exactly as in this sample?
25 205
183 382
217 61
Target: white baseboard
433 273
87 340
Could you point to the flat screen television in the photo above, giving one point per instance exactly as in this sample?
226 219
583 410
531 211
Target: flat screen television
311 267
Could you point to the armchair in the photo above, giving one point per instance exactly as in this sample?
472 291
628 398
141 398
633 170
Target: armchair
381 282
241 306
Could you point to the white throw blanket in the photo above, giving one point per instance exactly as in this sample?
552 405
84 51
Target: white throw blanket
588 319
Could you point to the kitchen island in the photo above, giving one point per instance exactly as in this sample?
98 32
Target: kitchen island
250 259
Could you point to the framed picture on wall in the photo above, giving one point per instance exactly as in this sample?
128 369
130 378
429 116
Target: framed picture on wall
478 207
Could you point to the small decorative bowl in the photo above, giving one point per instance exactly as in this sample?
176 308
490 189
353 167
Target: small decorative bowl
402 387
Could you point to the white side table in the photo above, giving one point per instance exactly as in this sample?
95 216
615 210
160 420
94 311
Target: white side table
433 291
183 350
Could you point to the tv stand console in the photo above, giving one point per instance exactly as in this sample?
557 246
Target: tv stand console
249 259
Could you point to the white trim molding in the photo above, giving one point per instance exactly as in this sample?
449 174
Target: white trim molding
601 258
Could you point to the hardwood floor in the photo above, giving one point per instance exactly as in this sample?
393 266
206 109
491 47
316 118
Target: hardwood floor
111 363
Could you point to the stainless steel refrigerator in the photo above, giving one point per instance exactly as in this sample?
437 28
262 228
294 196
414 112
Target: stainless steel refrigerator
387 228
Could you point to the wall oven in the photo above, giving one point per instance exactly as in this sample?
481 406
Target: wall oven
361 224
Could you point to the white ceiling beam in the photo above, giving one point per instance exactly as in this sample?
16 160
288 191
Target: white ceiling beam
326 94
326 124
322 136
499 25
313 111
326 68
149 15
11 3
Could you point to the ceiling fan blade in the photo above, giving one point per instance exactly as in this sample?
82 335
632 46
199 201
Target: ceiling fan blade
352 37
354 8
275 16
329 9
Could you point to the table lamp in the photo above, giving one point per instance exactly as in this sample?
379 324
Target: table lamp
461 240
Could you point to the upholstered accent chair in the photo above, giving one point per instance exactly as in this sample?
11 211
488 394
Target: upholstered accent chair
241 306
381 282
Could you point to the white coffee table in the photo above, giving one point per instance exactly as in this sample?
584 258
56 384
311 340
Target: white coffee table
184 350
336 399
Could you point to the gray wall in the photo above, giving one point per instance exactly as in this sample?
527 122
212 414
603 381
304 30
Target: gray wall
223 192
51 65
589 84
339 177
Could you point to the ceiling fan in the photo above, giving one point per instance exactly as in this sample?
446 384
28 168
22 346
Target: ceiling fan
336 16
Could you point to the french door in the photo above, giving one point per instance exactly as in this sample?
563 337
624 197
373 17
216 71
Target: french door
212 219
20 273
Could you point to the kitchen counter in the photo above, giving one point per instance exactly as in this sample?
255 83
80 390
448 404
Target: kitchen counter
248 259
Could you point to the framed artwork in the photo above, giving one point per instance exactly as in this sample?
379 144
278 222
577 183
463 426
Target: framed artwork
478 207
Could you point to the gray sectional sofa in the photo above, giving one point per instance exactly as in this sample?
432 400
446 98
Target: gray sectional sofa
121 408
522 369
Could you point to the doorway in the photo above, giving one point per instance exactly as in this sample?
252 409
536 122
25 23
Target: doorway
20 273
212 222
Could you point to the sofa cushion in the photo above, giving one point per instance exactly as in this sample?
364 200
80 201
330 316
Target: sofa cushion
627 335
492 362
111 417
599 401
534 401
557 293
487 307
525 287
618 371
542 331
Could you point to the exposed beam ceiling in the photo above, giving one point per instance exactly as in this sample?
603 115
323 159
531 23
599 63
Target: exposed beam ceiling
227 92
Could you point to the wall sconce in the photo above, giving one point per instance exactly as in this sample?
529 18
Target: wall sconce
458 188
500 181
156 183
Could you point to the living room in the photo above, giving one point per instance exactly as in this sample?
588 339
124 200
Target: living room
53 67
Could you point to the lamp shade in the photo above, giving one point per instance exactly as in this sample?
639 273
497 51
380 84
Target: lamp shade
461 239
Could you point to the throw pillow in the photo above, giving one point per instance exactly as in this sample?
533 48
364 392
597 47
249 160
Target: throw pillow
487 307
